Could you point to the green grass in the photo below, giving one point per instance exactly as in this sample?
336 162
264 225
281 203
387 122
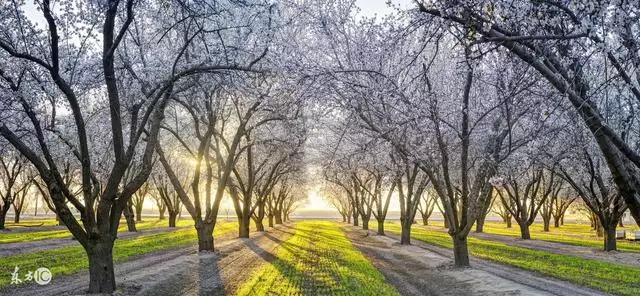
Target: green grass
609 277
30 222
571 234
9 237
67 260
317 260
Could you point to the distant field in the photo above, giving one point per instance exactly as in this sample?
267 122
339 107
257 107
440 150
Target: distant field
317 260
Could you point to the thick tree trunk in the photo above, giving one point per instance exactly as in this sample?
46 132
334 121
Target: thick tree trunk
16 217
480 225
161 214
344 218
446 223
610 238
556 222
101 275
405 235
562 219
599 230
355 220
460 251
278 217
259 224
131 223
547 223
270 218
381 226
349 219
3 216
139 214
243 226
365 223
172 219
524 230
425 221
205 236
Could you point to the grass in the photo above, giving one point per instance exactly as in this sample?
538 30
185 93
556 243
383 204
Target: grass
67 260
6 238
609 277
571 234
317 260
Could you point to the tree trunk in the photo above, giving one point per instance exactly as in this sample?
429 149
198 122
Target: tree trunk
425 220
547 223
446 223
480 225
259 224
562 219
101 277
460 251
172 219
524 230
243 224
3 216
355 220
270 218
128 215
405 236
380 227
139 214
349 219
161 214
610 238
556 222
365 223
599 230
16 217
205 236
344 218
509 225
278 217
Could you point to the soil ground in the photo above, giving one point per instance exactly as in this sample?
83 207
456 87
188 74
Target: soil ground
181 271
422 269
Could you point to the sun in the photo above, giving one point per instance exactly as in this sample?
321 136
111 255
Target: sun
315 201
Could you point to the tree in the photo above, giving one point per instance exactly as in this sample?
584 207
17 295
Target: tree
586 175
410 189
126 95
525 195
427 206
170 200
20 201
574 48
13 168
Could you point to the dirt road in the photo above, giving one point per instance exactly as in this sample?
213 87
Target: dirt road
421 269
179 271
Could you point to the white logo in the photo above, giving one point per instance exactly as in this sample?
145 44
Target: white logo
42 276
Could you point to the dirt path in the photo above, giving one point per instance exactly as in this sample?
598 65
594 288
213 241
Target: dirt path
179 271
627 258
421 269
11 249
